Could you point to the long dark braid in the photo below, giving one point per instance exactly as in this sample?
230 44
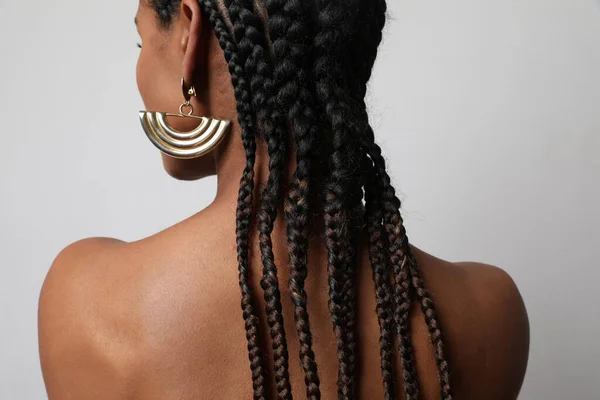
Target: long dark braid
364 47
245 197
289 34
250 34
383 288
406 270
386 203
398 258
341 192
405 265
435 332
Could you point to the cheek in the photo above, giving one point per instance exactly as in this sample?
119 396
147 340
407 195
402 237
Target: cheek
143 72
156 86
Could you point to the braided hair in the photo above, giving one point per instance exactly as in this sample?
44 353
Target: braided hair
250 35
382 241
291 46
299 70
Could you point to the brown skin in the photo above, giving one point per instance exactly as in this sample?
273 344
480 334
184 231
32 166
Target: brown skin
160 318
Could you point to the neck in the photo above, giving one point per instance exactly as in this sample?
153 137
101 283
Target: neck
230 160
230 157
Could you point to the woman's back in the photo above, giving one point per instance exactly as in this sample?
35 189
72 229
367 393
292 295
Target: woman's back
271 99
161 319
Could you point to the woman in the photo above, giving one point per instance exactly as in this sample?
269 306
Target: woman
335 302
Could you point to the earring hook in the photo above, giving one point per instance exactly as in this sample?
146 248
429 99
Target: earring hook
187 93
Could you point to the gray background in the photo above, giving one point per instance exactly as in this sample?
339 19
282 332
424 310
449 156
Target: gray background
489 113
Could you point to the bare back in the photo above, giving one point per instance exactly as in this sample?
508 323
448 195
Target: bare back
160 319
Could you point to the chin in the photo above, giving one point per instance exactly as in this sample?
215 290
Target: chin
190 170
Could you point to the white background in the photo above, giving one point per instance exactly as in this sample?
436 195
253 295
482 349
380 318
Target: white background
489 114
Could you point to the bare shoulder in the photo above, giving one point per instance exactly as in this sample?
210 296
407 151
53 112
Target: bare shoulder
498 299
504 329
68 337
110 311
487 325
69 269
72 265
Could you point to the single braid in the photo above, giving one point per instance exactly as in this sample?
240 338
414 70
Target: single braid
435 333
350 273
381 278
289 37
403 304
250 35
244 207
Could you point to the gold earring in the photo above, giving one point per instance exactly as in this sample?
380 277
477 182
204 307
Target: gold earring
184 145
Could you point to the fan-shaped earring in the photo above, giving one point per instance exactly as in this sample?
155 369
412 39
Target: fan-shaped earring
184 145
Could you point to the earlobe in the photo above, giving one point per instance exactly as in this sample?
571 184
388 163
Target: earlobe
185 38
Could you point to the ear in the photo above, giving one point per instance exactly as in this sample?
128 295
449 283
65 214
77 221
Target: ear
193 44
